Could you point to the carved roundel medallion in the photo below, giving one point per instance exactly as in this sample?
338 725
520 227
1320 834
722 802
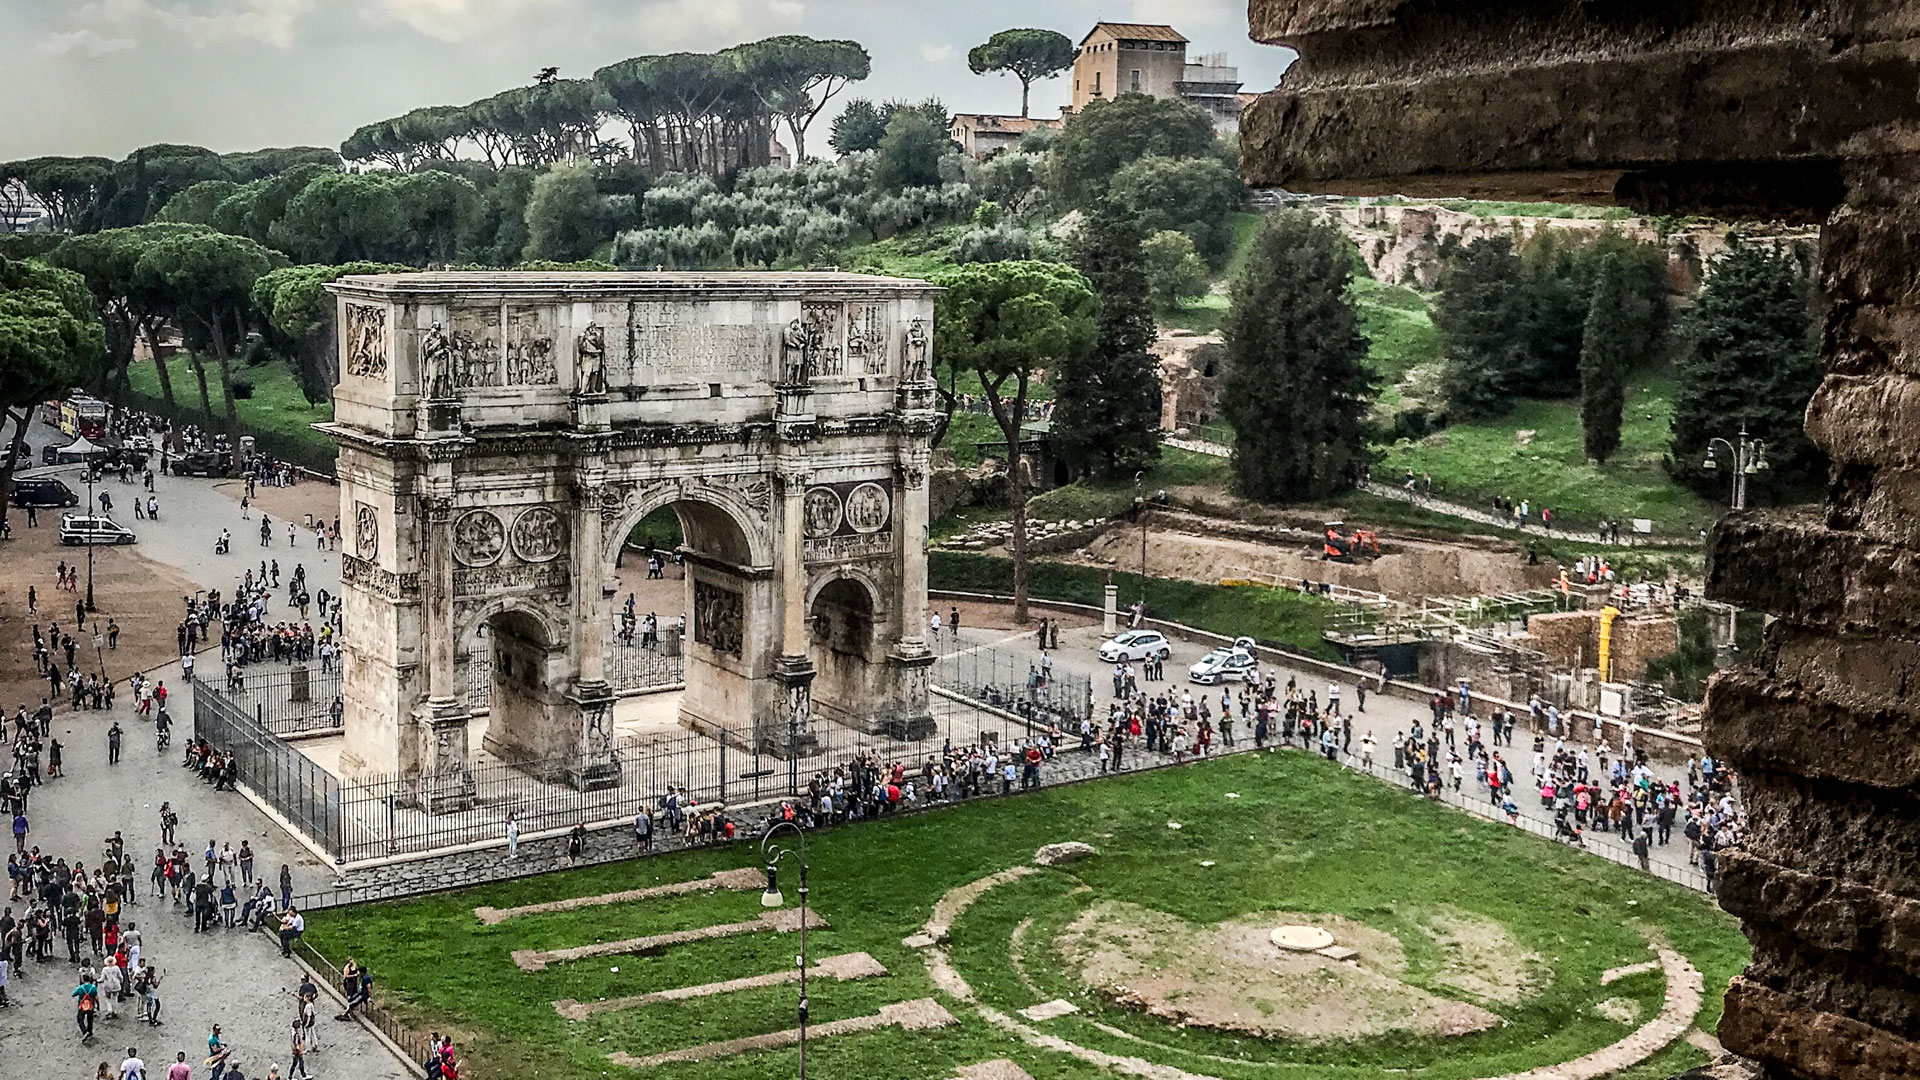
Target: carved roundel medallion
823 512
478 538
366 531
867 508
538 535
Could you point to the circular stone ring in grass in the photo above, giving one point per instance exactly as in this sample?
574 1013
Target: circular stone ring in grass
1301 938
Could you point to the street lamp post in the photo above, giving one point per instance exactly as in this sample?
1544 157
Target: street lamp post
771 898
1140 510
1749 457
90 511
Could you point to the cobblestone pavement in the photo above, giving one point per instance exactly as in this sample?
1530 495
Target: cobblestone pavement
229 977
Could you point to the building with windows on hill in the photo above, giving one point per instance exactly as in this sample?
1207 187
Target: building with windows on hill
1151 59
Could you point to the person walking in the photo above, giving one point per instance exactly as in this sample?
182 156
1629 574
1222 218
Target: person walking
86 999
513 835
297 1052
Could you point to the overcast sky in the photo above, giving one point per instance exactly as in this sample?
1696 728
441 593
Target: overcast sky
106 76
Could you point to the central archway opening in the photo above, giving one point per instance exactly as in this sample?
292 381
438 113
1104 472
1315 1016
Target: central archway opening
723 597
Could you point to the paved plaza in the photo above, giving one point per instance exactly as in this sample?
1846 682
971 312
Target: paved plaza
227 977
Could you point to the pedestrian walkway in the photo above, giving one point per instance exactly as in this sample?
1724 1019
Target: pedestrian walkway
230 977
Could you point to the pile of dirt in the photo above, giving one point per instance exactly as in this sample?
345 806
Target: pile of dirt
1230 977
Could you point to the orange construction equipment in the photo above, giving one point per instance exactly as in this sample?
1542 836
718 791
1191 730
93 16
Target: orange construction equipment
1338 548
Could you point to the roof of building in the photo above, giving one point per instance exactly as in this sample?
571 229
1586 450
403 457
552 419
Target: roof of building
1135 32
996 122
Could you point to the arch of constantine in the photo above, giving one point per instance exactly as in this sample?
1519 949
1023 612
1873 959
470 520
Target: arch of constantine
501 433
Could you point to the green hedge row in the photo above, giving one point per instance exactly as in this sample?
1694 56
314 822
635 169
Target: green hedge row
1273 616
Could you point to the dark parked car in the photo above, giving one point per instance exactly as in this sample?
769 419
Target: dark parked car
42 491
200 463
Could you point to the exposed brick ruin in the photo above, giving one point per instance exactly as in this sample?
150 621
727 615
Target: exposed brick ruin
1809 112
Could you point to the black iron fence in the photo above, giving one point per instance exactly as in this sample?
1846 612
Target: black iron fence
379 816
297 700
304 793
416 1046
1018 682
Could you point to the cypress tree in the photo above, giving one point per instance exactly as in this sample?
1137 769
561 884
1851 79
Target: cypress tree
1106 408
1297 387
1481 314
1749 358
1550 334
1614 330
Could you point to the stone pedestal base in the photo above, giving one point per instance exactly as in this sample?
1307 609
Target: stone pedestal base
446 781
1110 611
789 731
596 768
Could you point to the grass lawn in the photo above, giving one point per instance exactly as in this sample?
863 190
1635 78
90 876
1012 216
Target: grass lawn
1304 836
1472 462
1400 334
277 406
1267 615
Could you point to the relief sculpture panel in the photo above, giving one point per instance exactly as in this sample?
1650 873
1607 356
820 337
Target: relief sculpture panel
365 341
718 617
826 353
848 520
539 535
478 538
474 347
867 339
529 354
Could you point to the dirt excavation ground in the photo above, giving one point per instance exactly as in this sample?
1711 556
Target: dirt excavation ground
1200 549
143 596
1231 977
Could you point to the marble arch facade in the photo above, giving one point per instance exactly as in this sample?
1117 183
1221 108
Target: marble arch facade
501 432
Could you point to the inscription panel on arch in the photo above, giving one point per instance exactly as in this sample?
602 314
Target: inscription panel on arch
688 343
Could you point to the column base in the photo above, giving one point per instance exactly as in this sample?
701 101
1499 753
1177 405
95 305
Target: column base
446 779
910 716
790 731
596 769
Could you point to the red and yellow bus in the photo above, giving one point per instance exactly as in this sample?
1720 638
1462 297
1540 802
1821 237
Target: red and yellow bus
83 416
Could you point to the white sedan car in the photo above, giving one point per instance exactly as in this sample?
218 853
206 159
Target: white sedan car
1225 665
1136 645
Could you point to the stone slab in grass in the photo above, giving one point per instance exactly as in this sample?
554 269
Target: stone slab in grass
1061 854
1048 1010
784 921
732 880
839 968
920 1014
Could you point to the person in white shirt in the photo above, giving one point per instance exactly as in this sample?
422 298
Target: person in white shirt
133 1068
112 980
